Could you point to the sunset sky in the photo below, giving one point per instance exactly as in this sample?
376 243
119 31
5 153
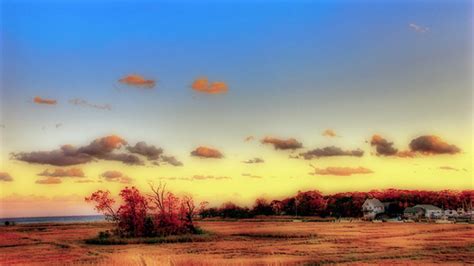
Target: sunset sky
242 80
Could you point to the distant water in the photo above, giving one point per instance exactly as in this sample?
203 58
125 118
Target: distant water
55 219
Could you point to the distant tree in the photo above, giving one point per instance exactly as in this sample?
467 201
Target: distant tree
103 204
262 207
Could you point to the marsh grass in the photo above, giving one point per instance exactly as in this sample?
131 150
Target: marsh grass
106 239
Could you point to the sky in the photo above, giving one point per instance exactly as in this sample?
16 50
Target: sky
274 80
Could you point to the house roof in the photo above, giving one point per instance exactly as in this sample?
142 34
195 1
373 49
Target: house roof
427 207
374 202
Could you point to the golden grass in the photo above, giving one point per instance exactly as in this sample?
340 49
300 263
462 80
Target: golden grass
249 243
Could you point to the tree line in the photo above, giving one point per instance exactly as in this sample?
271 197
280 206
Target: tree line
347 204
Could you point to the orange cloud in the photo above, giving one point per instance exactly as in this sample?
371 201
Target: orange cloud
116 176
329 133
49 181
40 100
203 85
430 144
282 144
138 81
71 172
206 152
5 177
341 171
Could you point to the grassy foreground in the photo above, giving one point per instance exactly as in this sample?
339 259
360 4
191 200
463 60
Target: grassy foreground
245 243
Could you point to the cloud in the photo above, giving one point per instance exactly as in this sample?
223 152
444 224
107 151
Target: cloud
249 138
203 177
123 157
85 181
206 152
116 176
430 144
282 144
383 147
254 160
196 177
49 181
100 148
5 177
138 81
341 171
251 176
331 151
329 133
418 28
171 160
448 168
40 100
61 157
149 151
71 172
203 85
82 102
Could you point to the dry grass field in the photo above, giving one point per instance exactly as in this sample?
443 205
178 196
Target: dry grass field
249 243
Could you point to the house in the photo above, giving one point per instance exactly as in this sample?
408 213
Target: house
451 213
430 211
423 211
413 213
372 207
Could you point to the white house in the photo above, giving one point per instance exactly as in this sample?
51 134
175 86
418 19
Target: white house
371 208
430 211
451 213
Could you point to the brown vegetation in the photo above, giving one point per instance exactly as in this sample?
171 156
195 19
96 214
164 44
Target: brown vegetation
239 243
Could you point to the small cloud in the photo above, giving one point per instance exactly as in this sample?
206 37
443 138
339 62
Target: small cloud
254 160
204 177
5 177
331 151
84 103
116 176
85 181
329 133
448 168
49 181
251 176
149 151
340 171
40 100
170 160
418 28
430 144
382 146
249 138
71 172
206 152
196 177
282 144
203 85
58 125
138 81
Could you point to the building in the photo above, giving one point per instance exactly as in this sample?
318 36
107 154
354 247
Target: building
413 213
372 207
423 211
451 213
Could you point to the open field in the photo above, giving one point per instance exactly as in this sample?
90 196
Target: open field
237 243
